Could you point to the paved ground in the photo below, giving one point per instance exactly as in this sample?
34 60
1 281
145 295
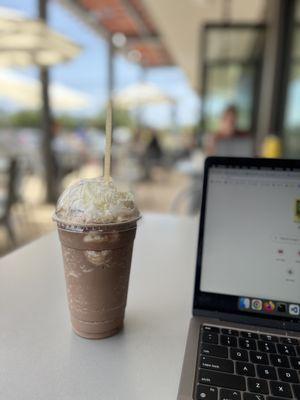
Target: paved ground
34 218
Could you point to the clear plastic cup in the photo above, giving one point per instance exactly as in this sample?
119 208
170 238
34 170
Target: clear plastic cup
97 261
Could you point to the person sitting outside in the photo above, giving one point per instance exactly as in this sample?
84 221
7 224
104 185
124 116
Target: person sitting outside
229 140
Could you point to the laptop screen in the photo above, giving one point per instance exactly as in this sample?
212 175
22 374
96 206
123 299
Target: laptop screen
251 241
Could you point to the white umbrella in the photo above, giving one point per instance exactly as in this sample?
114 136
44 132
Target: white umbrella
141 94
26 91
25 42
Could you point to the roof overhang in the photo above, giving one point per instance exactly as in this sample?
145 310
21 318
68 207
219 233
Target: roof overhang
128 17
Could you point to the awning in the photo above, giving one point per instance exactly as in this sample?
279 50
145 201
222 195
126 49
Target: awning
166 32
130 18
180 24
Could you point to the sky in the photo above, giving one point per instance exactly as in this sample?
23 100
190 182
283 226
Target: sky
88 72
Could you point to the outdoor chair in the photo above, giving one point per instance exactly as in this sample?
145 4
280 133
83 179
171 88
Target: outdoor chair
190 197
8 200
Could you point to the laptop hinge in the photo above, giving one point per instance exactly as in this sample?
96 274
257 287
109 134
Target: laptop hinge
248 320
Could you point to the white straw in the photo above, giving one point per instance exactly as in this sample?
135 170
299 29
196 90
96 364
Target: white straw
108 139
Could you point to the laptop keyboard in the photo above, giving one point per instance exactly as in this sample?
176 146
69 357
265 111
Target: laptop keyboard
242 365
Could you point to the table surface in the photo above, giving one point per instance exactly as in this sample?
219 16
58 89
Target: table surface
42 359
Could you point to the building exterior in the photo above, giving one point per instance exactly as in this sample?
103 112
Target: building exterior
232 51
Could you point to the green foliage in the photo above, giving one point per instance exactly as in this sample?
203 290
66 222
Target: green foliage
121 118
69 122
25 119
32 119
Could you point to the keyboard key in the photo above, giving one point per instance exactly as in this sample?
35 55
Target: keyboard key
259 358
226 394
286 349
217 364
228 341
223 380
204 392
246 369
288 375
249 335
258 386
269 338
253 396
230 332
238 354
266 372
280 389
214 350
279 361
266 347
248 344
296 389
209 328
295 361
288 340
209 337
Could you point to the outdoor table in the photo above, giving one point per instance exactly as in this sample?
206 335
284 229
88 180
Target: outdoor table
42 359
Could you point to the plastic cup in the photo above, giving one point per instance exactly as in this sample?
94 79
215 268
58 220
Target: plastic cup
97 261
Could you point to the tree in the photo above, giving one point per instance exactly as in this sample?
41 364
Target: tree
121 118
32 119
25 119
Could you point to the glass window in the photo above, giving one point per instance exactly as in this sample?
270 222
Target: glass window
292 115
229 84
231 67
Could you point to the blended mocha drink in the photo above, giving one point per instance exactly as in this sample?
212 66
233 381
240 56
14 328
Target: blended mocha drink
97 225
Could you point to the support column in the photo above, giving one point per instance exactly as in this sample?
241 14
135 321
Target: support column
46 121
275 69
139 109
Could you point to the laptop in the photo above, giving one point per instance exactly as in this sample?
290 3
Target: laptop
244 336
235 147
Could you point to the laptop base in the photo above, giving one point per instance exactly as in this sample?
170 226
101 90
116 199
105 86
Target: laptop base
190 363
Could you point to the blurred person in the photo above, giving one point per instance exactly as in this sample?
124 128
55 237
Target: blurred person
138 144
69 151
136 155
153 150
81 132
229 140
153 154
57 145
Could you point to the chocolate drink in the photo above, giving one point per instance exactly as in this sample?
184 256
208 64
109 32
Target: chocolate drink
97 255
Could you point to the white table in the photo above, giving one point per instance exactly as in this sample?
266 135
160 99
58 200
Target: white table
42 359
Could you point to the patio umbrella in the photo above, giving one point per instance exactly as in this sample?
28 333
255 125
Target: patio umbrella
26 91
139 95
143 94
25 42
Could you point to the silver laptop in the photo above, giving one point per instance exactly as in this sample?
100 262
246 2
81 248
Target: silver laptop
244 336
235 147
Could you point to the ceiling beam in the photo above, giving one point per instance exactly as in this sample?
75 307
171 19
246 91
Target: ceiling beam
93 23
87 17
132 40
134 14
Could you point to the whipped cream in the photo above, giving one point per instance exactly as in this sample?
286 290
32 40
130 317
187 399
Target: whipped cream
95 201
